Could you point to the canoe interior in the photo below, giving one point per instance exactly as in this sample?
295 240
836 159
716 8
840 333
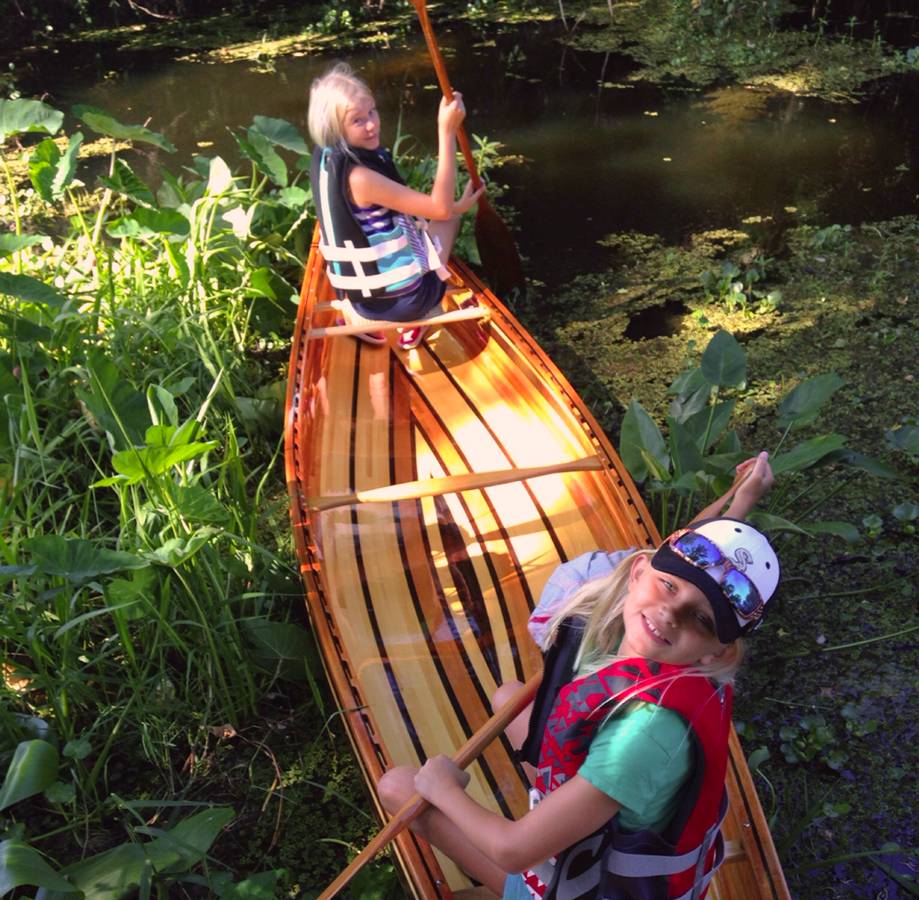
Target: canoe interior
420 605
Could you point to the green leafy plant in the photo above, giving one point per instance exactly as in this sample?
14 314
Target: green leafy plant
694 462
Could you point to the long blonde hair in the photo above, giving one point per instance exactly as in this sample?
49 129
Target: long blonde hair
330 96
601 601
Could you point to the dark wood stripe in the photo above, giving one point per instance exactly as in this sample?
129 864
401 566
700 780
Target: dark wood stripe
550 530
505 536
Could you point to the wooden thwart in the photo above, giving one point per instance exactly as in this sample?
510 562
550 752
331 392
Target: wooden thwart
472 481
456 315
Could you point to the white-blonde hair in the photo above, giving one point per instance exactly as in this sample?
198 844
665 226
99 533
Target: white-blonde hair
330 96
601 602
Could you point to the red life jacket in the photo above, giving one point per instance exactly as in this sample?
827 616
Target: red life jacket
615 865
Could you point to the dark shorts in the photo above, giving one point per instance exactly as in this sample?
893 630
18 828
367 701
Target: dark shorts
408 307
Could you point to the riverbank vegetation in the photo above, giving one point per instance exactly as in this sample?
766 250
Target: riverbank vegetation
164 715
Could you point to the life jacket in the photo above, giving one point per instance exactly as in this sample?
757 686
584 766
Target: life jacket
385 265
611 864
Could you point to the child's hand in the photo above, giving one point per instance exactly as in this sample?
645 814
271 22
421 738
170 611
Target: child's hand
450 115
753 478
469 199
438 775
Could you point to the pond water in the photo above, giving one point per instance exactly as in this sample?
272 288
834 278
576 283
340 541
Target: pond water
602 154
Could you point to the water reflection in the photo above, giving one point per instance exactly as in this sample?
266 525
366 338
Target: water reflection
603 155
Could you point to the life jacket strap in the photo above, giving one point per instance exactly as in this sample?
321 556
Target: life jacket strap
352 254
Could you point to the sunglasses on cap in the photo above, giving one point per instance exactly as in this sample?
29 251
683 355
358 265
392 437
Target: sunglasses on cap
702 553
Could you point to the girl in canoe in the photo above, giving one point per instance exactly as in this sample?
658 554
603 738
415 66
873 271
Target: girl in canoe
385 244
628 733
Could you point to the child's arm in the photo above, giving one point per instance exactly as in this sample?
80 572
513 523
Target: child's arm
752 479
565 816
368 187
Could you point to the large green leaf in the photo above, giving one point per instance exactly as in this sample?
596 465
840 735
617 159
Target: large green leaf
770 522
125 596
22 116
11 243
20 864
256 887
282 133
105 123
114 873
639 435
807 454
113 401
865 463
802 405
51 171
179 550
77 559
150 223
138 463
185 845
258 148
714 419
32 769
684 450
198 504
724 362
123 181
31 290
110 875
846 530
279 645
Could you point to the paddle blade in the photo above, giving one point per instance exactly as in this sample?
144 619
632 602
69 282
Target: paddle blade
498 251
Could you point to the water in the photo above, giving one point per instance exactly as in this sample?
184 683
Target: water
598 159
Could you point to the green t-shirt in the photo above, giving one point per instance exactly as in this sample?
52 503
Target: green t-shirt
641 757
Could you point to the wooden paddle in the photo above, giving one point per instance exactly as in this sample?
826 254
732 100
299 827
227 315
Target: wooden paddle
465 756
497 248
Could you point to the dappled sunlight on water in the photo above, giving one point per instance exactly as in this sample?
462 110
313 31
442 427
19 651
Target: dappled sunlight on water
603 154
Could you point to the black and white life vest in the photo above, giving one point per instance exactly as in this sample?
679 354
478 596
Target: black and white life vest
611 864
387 264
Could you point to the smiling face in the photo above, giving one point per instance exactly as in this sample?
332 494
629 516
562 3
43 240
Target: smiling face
667 619
360 126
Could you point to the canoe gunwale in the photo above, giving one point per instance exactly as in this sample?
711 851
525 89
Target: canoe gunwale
426 878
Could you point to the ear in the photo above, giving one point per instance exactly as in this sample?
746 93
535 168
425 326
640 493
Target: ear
726 653
639 564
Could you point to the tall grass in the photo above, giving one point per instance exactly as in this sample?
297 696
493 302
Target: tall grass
147 576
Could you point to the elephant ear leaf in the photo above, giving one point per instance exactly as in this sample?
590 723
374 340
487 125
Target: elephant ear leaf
802 405
641 445
28 116
21 864
32 769
104 123
724 362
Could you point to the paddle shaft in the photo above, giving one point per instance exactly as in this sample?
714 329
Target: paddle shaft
467 754
441 70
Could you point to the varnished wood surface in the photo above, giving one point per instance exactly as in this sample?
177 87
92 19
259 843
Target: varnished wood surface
420 605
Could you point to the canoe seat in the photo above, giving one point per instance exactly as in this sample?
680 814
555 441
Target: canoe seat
356 324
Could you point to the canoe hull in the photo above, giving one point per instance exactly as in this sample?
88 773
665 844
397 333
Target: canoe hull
420 604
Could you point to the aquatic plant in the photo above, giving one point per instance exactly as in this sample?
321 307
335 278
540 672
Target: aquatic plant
695 462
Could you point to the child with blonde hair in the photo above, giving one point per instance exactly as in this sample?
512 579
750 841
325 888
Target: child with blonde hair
385 245
628 733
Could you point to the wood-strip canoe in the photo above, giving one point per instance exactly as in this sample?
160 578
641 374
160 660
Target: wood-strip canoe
420 600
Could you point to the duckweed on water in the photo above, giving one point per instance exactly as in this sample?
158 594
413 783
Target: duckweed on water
848 306
671 44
